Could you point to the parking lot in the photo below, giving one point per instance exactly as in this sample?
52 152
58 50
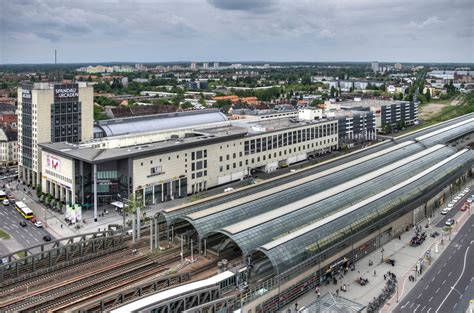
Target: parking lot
21 237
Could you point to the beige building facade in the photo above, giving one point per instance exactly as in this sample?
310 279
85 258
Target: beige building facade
49 112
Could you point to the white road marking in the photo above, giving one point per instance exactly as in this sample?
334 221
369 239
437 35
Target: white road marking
428 310
432 280
423 308
430 299
444 264
419 296
457 281
455 305
416 308
427 287
450 274
444 282
404 306
437 290
412 305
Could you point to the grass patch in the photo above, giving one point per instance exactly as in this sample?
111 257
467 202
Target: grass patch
4 234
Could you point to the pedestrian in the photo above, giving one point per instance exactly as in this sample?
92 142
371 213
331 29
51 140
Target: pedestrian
288 311
319 294
375 273
344 287
296 306
384 276
399 237
61 226
337 291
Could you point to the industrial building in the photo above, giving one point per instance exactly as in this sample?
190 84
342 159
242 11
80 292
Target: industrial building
50 112
163 157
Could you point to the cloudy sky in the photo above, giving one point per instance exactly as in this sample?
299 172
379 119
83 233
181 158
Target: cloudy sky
236 30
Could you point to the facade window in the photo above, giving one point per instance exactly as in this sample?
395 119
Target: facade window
221 168
156 170
227 167
193 156
220 158
227 157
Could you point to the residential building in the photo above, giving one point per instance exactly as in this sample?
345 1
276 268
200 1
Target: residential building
216 64
398 66
50 112
193 66
205 65
375 66
386 112
8 147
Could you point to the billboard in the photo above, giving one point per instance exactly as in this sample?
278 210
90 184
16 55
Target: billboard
53 162
66 92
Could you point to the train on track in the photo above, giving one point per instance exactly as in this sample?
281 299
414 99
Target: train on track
185 297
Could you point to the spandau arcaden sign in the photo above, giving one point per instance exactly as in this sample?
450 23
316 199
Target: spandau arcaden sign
26 94
69 91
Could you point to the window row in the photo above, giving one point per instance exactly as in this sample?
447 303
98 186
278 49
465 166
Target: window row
282 140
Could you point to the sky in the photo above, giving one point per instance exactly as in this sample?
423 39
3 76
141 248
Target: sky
236 30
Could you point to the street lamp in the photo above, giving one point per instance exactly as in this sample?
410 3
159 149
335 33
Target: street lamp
382 253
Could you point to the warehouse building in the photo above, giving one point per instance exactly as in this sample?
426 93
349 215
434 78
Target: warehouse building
177 155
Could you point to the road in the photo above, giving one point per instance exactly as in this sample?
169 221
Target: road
455 208
449 283
26 236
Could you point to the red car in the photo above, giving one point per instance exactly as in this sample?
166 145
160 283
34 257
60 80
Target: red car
464 207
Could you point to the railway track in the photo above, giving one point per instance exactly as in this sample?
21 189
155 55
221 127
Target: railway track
78 289
51 277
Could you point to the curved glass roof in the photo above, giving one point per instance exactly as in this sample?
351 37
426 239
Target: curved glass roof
291 250
160 122
251 233
449 133
217 218
172 214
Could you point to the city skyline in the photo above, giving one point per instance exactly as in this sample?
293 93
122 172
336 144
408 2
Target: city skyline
229 31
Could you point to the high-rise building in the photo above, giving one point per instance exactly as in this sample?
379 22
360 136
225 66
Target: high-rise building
193 65
398 66
216 64
50 112
375 66
205 65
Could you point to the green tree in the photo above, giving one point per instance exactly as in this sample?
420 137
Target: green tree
306 80
428 95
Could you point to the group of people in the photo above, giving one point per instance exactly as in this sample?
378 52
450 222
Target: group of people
411 278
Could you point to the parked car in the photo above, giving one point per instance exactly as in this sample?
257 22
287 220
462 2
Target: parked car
23 224
39 224
33 220
6 202
450 222
228 189
47 238
457 198
445 211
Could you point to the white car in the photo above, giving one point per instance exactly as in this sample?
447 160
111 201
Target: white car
469 200
462 194
39 224
6 202
228 189
457 198
466 190
450 206
445 211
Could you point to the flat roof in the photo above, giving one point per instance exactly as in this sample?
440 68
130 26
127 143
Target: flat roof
205 134
369 103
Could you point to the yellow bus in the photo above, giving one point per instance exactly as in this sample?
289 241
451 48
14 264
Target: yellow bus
23 210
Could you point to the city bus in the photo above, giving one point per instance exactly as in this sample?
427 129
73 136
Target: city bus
23 210
3 195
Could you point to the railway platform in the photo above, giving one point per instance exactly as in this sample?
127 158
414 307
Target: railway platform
405 257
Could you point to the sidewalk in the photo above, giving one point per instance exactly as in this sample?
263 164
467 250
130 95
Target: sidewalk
405 257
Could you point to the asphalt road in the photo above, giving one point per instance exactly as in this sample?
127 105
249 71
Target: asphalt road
26 236
448 286
455 209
